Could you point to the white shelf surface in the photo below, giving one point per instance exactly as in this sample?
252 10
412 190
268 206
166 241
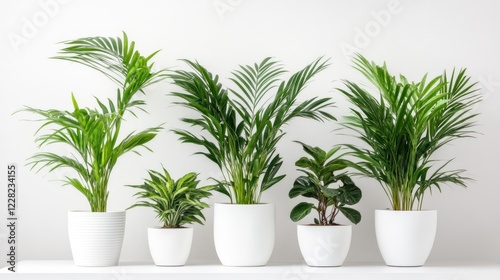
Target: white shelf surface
433 270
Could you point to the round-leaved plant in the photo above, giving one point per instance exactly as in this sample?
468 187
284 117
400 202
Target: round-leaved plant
319 181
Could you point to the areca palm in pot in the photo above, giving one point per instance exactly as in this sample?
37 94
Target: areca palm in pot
240 128
94 137
325 242
402 125
176 203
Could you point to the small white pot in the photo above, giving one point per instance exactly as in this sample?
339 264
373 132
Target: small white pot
405 238
324 245
96 237
244 233
170 246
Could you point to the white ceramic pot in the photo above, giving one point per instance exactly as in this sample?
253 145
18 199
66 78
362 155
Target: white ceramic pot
96 237
324 245
170 246
244 233
405 238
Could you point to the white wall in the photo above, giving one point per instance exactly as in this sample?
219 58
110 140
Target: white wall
413 37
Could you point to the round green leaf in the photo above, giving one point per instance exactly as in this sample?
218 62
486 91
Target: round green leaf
300 211
352 215
301 186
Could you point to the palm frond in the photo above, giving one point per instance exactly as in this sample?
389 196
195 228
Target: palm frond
118 60
93 135
240 127
405 126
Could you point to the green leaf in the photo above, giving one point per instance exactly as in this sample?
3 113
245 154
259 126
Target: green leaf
330 193
300 211
304 162
270 177
352 215
349 194
318 154
303 186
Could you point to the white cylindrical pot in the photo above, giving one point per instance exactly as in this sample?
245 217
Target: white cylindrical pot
96 237
170 246
405 238
324 245
244 233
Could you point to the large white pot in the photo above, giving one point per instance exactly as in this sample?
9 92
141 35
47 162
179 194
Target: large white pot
324 245
244 233
96 237
405 238
170 246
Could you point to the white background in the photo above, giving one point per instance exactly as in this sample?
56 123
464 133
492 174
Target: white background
413 37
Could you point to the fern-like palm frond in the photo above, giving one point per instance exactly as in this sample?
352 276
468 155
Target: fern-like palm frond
93 135
244 124
405 126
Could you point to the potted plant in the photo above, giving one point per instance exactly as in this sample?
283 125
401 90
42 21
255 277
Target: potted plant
93 136
176 203
402 125
240 128
325 242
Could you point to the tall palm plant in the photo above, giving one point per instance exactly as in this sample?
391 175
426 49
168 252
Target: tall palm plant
93 135
405 125
245 123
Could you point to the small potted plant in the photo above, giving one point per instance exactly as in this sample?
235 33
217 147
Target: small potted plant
402 125
238 129
324 242
176 203
96 142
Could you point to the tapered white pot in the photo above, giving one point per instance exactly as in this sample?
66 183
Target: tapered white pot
405 238
244 233
324 245
96 237
170 246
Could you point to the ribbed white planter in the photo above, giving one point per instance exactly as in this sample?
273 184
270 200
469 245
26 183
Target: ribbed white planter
170 246
405 238
324 245
96 237
244 233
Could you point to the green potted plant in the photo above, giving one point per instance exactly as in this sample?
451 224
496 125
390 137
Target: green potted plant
94 137
176 203
239 130
402 124
325 242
